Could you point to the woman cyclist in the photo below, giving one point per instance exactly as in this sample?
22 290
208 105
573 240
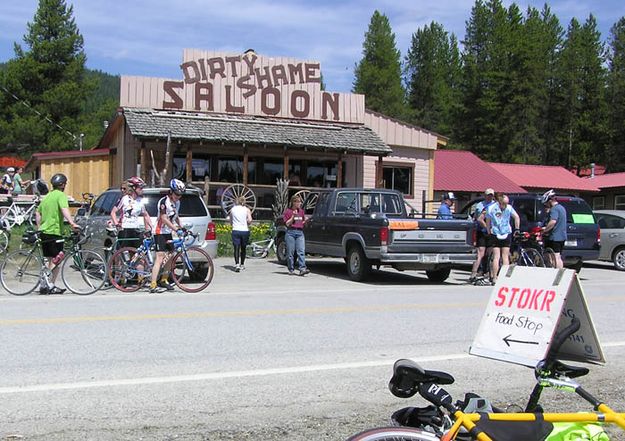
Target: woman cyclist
127 213
168 221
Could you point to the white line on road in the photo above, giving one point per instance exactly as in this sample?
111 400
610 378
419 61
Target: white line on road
234 374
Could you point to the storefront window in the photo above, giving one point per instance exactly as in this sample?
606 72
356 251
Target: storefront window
322 174
230 169
398 178
273 169
200 168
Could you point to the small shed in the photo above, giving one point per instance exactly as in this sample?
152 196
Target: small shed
86 170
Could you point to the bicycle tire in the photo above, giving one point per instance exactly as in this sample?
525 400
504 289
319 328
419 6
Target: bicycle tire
4 241
8 217
123 274
257 251
394 434
200 277
535 257
84 272
20 272
549 257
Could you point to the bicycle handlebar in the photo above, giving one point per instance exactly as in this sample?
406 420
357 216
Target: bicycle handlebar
561 337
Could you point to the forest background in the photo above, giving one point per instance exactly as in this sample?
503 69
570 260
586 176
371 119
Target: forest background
519 87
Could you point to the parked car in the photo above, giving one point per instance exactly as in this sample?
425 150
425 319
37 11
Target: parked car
583 232
612 224
193 212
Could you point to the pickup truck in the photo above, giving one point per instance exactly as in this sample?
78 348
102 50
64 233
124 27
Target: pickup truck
370 227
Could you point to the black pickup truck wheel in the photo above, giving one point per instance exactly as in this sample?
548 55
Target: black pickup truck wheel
439 275
281 249
358 266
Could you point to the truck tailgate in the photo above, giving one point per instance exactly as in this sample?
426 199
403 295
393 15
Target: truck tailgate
431 236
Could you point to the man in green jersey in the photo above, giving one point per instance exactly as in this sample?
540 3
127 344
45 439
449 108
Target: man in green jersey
54 207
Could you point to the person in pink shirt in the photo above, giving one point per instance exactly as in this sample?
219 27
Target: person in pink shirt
294 219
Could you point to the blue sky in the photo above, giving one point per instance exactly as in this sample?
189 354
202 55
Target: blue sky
146 37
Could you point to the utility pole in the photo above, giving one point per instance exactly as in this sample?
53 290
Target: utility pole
82 135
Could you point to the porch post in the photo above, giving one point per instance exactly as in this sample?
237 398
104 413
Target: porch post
379 173
189 165
245 164
286 164
339 171
143 160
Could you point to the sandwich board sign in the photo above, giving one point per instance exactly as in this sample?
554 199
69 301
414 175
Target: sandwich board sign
526 309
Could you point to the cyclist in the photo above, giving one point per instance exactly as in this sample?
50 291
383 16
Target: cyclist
240 218
168 221
54 207
500 230
6 185
444 211
555 230
126 214
483 238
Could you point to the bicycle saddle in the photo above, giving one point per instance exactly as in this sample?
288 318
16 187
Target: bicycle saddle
408 375
561 369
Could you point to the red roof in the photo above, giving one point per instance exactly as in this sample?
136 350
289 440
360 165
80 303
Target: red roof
544 176
608 180
459 170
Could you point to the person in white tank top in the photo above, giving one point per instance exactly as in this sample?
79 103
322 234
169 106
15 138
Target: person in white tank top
240 217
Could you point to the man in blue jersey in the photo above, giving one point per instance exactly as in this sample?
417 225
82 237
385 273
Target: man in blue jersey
555 230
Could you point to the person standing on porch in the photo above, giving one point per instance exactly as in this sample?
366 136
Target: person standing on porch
295 219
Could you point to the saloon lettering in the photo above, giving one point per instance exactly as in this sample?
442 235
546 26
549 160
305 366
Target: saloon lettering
237 78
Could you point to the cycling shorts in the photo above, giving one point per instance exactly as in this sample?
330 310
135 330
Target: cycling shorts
555 245
484 240
500 243
161 241
51 244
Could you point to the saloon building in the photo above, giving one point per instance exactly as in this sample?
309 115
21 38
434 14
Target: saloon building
251 119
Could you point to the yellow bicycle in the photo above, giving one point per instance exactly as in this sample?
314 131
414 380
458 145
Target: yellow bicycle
444 420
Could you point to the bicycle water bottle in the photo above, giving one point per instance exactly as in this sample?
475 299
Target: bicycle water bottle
58 258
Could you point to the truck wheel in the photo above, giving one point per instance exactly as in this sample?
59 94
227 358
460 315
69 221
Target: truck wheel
358 266
438 275
281 249
577 266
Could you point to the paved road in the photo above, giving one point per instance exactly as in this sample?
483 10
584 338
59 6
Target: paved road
260 355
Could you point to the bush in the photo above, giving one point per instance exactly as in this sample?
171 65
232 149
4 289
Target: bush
260 230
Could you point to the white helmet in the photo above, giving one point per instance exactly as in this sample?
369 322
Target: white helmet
10 169
547 195
177 186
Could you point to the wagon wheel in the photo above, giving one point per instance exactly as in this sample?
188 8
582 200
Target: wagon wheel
309 199
234 191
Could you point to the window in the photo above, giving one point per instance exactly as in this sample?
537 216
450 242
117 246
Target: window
598 203
370 203
619 202
230 169
346 202
399 178
105 203
609 221
200 167
190 205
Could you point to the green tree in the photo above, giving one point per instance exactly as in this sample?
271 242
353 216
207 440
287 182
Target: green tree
378 74
46 81
581 118
614 157
433 70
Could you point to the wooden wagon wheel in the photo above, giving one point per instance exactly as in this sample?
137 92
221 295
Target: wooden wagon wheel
309 199
234 191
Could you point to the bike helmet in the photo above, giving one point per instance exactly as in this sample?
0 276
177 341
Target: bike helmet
58 180
177 186
547 196
10 169
136 182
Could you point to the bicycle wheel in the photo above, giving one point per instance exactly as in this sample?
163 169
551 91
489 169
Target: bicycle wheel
549 257
83 272
533 256
394 434
20 272
4 241
198 276
258 250
8 217
127 270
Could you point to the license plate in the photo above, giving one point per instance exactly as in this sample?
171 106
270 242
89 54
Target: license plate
430 259
570 243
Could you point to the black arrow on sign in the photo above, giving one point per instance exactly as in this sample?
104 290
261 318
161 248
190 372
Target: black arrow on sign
507 339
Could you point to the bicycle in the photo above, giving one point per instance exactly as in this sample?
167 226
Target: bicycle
83 271
261 248
191 267
526 251
5 236
15 214
444 419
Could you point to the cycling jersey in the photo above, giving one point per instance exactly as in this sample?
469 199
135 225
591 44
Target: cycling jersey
170 209
479 209
131 212
500 220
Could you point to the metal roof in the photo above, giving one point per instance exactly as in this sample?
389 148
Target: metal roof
221 128
608 180
544 176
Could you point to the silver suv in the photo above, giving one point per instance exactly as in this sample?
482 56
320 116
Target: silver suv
193 213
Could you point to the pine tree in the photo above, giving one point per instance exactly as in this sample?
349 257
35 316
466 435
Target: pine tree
580 122
614 157
378 74
49 75
432 70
